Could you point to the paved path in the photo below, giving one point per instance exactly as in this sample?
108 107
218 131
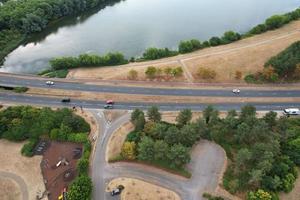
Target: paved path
19 181
206 166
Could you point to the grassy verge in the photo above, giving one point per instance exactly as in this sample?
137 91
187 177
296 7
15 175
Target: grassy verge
158 164
55 73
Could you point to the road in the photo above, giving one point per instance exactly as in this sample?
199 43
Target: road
51 101
206 166
28 81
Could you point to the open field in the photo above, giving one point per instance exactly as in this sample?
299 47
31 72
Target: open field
137 189
27 169
247 55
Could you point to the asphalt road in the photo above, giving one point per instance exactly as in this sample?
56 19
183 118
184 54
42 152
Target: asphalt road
50 101
206 166
40 83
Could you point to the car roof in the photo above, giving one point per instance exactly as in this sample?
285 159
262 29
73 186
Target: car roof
291 109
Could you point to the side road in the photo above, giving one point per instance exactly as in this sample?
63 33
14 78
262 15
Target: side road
206 166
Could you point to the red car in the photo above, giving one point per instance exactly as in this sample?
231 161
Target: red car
110 102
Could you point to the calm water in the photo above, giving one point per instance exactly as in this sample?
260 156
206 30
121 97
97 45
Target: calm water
133 25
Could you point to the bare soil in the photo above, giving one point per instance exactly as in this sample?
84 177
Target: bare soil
137 189
116 141
27 168
53 175
247 55
9 190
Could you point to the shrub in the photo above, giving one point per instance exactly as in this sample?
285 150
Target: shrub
250 78
215 41
20 89
230 36
189 46
155 53
80 188
150 72
275 21
259 195
27 149
261 28
83 166
134 136
206 73
132 74
129 150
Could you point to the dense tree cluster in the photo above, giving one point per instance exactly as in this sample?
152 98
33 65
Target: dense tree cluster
284 66
155 53
87 60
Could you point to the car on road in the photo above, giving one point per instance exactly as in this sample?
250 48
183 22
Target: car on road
110 102
49 83
291 111
236 91
108 106
66 100
117 190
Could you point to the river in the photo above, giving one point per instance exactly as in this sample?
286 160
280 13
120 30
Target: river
131 26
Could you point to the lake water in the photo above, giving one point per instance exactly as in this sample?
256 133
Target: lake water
131 26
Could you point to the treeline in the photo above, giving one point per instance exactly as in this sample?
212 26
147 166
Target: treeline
18 19
87 60
283 67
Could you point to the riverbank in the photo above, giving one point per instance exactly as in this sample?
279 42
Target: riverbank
247 56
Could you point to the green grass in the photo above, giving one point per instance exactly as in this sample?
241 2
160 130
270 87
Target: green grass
20 89
55 74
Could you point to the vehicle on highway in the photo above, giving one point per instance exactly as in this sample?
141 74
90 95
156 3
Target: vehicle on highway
110 102
117 190
66 100
49 83
291 111
108 106
236 91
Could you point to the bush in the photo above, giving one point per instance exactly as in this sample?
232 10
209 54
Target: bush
20 89
151 72
27 149
189 46
80 188
155 53
261 28
132 74
83 166
250 78
215 41
230 36
129 151
134 136
276 21
56 73
206 73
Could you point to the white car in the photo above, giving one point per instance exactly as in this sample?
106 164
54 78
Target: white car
291 111
236 91
49 83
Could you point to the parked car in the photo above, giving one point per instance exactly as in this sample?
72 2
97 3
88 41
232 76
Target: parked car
117 190
108 106
291 111
49 83
236 91
110 102
66 100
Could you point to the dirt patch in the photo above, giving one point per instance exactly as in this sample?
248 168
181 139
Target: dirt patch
9 190
136 190
294 194
112 115
27 168
247 55
155 99
59 177
116 141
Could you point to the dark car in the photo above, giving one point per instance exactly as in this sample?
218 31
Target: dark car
108 106
66 100
117 190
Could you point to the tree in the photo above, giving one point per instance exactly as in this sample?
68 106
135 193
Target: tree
189 135
153 114
275 21
146 149
172 135
129 150
259 195
161 149
247 111
184 117
270 118
215 41
80 188
132 74
140 122
149 128
206 73
210 114
185 47
150 72
178 156
230 36
83 166
135 114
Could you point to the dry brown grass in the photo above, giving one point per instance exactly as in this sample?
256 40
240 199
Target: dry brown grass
9 190
247 55
140 190
116 141
27 168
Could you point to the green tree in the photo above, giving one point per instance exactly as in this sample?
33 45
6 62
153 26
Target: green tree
215 41
146 149
80 188
150 72
184 117
172 135
140 122
83 166
153 114
178 156
185 47
210 114
129 150
270 119
248 111
230 36
135 114
188 135
161 149
259 195
275 21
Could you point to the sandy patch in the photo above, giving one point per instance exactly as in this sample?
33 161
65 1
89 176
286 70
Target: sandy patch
136 190
294 194
156 99
116 141
9 190
247 55
27 168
